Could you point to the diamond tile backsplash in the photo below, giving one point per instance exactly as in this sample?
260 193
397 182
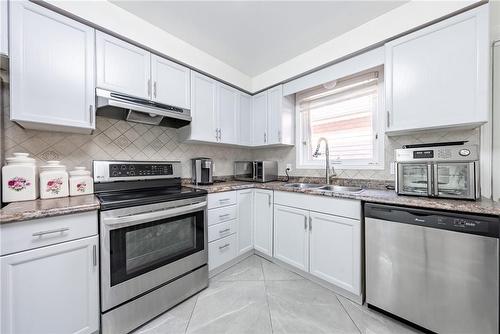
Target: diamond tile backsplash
121 140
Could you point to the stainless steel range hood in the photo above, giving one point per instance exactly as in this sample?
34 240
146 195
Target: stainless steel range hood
121 106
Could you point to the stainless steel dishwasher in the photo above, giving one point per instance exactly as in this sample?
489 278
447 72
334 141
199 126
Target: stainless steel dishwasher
436 269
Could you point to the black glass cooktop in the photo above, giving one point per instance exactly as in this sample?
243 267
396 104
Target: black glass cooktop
127 198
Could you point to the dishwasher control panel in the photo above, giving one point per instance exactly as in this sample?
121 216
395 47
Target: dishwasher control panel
466 224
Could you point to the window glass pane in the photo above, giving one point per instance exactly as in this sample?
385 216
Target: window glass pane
347 124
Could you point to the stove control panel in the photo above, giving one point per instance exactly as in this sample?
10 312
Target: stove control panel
133 170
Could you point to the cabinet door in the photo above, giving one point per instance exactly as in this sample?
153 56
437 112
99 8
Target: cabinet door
52 85
274 97
245 220
52 289
260 118
291 237
263 221
122 67
171 83
203 108
227 114
335 248
438 76
245 119
4 28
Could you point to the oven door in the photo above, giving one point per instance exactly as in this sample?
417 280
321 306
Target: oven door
455 180
147 246
414 179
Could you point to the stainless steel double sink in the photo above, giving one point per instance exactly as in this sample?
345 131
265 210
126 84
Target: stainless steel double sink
324 187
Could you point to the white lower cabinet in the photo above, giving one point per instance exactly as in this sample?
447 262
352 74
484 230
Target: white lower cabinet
335 250
324 244
222 251
52 289
245 220
263 221
291 238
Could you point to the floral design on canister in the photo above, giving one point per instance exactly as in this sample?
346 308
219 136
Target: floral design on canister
54 185
18 183
81 187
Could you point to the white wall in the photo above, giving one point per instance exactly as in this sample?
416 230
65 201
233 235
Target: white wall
119 21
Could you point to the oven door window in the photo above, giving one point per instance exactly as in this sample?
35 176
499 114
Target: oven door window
138 249
454 179
414 179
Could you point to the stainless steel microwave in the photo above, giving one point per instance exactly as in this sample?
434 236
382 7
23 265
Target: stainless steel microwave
441 171
256 171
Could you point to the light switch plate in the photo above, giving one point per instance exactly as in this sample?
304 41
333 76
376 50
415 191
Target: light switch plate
289 167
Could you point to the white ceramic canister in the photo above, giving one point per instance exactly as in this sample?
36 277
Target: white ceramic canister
80 182
20 179
53 180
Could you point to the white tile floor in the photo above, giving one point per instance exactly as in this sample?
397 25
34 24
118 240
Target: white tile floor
257 296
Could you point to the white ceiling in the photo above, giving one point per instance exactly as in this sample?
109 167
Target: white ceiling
254 37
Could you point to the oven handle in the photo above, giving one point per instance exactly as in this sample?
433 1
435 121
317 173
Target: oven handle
119 222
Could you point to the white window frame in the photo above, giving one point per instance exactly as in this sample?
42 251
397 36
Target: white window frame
378 161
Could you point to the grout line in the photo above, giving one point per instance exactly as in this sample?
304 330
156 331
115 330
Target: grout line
267 299
345 310
192 311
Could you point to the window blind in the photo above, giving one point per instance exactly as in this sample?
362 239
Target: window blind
343 113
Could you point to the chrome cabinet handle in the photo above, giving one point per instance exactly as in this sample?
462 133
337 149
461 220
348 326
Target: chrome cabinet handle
216 134
388 119
94 255
265 137
149 87
279 135
154 89
223 200
220 134
91 111
269 199
310 223
224 215
222 247
59 230
224 231
305 223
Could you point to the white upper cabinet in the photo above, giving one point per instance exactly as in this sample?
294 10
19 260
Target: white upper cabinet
245 119
438 76
263 221
335 251
227 111
259 132
273 117
52 84
4 27
171 83
53 289
122 67
280 114
291 236
203 110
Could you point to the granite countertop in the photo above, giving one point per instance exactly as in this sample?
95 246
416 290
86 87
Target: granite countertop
41 208
483 206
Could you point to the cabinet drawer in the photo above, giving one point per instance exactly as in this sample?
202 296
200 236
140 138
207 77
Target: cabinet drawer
216 216
221 251
221 199
221 230
16 237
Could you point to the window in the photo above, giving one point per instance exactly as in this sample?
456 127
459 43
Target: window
346 112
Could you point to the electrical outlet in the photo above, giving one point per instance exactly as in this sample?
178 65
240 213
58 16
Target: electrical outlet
393 168
289 167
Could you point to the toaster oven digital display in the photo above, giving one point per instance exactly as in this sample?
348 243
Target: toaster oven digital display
425 154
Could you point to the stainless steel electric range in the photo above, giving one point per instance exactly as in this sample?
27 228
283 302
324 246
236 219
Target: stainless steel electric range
153 240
